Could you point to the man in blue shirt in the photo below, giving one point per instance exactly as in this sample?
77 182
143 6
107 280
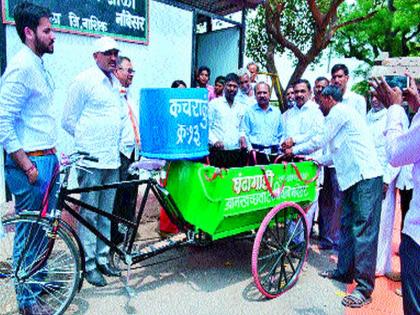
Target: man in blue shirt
262 123
28 133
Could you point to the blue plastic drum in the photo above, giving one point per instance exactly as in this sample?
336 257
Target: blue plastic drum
174 123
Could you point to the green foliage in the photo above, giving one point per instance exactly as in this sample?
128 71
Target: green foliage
297 26
396 32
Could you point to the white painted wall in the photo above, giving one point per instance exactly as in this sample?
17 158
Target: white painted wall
165 59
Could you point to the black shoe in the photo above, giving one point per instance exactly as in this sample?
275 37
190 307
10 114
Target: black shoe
94 277
108 270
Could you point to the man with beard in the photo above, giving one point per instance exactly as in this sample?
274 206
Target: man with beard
303 130
340 78
225 116
126 197
92 115
28 133
320 84
262 122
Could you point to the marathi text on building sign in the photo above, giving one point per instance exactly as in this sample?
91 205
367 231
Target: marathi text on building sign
195 108
248 183
126 19
91 24
124 3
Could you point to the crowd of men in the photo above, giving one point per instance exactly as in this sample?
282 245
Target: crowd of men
365 155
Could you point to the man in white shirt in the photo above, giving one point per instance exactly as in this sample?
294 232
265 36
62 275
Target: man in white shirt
340 78
126 197
92 115
376 119
359 176
28 133
403 149
246 92
303 130
225 137
225 116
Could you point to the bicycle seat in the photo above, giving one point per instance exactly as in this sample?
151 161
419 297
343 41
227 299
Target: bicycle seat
146 164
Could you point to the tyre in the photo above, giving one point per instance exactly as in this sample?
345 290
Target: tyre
280 249
26 280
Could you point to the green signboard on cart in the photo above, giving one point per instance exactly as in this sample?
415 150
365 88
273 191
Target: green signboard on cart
125 20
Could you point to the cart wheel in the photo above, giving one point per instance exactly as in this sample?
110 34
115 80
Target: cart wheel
280 249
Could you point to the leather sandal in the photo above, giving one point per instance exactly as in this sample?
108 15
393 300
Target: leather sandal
355 300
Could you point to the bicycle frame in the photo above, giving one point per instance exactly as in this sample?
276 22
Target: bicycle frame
152 186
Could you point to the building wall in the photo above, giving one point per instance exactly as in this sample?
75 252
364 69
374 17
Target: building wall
165 59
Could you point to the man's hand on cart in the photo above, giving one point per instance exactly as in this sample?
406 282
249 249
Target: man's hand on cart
242 143
219 145
287 144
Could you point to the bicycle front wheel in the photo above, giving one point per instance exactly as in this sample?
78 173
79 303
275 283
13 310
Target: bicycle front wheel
38 271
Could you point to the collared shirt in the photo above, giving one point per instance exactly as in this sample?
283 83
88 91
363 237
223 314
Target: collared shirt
376 120
248 101
305 126
263 127
225 121
92 114
128 139
355 100
351 146
27 114
403 149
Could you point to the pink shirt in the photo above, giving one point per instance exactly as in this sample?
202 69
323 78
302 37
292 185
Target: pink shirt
404 148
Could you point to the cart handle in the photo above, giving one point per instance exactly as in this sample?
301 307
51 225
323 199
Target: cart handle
218 171
299 175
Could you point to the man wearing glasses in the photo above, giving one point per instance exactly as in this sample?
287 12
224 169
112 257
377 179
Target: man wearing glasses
126 197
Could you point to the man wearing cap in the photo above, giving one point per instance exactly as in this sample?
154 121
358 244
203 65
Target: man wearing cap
28 133
93 116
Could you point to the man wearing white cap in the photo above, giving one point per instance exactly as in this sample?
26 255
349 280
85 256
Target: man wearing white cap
92 115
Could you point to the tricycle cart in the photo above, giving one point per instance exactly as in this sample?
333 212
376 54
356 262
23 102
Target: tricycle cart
205 202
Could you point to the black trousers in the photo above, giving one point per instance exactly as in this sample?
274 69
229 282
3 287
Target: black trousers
359 233
410 274
125 198
406 195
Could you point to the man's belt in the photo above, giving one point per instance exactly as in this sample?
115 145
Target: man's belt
266 149
42 152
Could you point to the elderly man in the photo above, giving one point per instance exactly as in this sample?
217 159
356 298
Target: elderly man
246 92
262 122
125 198
92 115
303 130
403 149
28 133
359 175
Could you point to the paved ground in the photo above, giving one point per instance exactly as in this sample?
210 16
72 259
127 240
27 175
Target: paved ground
211 280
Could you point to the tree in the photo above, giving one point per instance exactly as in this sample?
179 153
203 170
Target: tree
304 28
394 29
